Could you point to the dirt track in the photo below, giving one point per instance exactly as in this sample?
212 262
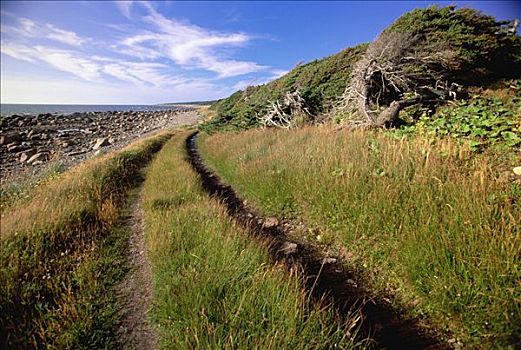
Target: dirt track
136 290
326 281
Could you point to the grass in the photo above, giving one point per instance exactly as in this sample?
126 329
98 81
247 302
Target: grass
435 226
214 287
63 248
14 190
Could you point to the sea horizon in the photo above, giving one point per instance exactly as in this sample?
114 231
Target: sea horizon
9 109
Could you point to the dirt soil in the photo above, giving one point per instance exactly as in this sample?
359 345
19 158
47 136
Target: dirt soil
136 289
326 280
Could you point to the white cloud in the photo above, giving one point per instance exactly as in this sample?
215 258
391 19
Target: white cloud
153 55
189 45
94 68
64 36
66 61
31 29
124 7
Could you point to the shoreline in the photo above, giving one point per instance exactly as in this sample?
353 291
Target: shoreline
31 144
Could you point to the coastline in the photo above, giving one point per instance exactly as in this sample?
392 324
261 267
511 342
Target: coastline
31 144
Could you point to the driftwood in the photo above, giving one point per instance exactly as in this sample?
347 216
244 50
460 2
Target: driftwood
282 114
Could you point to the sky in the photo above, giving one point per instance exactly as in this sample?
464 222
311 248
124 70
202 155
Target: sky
135 52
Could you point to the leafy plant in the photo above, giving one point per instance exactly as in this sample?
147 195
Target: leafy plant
481 121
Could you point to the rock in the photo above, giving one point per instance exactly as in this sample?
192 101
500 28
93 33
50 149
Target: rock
38 158
270 222
289 248
101 142
26 155
328 261
4 140
15 147
517 170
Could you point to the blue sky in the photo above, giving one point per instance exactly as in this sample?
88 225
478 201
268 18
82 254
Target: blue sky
132 52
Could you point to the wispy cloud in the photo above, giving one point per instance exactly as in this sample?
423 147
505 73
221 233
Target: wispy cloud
189 46
94 68
148 51
31 29
124 7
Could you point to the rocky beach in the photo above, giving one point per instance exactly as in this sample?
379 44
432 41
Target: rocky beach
29 143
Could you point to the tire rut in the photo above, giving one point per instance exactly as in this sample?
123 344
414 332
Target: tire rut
325 281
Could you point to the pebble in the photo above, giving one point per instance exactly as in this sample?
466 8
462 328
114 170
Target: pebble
270 222
289 248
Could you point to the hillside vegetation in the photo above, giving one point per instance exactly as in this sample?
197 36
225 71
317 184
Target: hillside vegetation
425 59
320 82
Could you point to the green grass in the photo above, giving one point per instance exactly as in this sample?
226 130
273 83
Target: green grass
63 248
215 288
434 226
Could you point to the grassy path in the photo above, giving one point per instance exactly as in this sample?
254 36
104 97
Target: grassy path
63 250
434 227
325 278
214 287
135 291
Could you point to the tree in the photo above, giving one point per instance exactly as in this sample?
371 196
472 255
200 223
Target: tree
425 57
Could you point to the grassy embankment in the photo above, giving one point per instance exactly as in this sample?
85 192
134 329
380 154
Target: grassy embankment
319 82
432 225
214 287
63 248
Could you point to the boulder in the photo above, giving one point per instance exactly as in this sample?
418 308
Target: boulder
101 142
4 140
38 158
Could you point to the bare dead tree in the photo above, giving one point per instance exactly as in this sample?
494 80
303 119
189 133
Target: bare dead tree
282 114
394 74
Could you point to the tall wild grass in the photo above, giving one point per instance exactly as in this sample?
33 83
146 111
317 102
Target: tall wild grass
215 288
62 250
433 226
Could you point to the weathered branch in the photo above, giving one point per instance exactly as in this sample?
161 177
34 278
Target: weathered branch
282 114
389 71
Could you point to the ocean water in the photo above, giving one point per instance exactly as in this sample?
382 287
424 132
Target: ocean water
8 109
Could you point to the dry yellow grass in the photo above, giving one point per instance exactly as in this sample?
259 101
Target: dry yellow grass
61 250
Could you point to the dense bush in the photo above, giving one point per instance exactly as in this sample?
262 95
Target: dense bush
483 121
484 48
